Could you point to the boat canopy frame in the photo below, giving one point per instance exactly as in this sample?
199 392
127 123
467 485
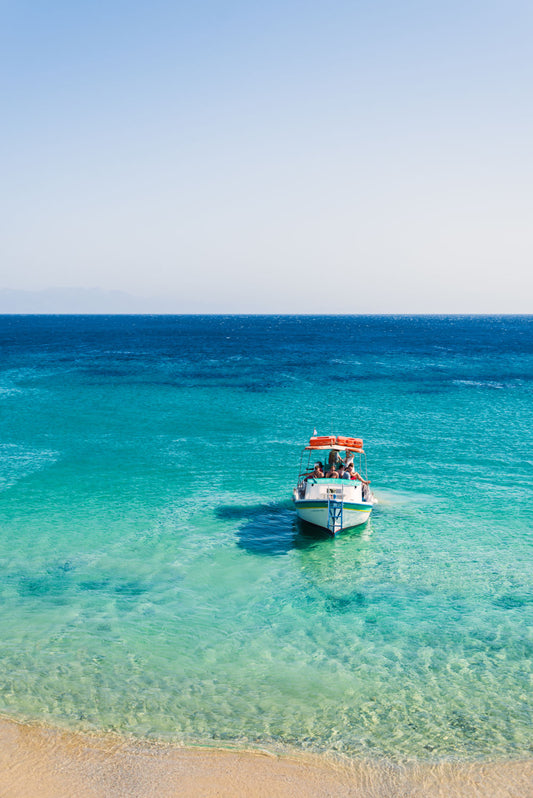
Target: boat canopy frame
334 447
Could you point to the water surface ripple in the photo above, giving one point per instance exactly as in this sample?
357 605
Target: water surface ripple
154 580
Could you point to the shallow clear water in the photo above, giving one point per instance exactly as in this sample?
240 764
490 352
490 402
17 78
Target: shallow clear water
154 580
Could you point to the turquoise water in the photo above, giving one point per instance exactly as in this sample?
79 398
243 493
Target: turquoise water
154 580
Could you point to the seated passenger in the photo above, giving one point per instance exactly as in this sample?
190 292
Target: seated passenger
317 473
332 473
343 473
356 475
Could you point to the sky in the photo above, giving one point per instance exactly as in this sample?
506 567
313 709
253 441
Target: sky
280 157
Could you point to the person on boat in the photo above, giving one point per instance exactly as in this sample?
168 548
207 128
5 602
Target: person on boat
332 473
317 473
334 459
343 472
356 475
349 459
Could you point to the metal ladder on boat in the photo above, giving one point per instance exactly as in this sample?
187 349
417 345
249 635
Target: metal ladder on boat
334 512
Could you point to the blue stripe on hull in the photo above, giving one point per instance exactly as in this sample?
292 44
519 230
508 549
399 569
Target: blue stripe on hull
318 505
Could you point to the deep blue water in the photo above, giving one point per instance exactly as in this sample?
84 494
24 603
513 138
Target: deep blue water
154 580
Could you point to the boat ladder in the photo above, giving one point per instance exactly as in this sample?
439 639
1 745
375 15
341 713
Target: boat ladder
334 511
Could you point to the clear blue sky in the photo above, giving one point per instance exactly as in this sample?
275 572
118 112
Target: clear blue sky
277 157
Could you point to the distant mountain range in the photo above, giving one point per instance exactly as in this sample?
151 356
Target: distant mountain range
78 300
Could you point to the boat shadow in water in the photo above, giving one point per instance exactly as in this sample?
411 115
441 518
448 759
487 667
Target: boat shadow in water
270 529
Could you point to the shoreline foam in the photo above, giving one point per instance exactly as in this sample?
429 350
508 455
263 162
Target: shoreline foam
53 763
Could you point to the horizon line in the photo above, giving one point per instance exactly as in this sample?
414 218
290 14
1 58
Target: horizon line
272 313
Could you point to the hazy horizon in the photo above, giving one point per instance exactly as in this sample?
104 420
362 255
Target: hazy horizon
67 301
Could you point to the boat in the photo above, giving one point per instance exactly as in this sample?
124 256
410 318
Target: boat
333 503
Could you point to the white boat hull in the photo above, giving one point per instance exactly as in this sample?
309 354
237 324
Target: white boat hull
317 513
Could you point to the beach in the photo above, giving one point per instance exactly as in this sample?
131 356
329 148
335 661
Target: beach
37 760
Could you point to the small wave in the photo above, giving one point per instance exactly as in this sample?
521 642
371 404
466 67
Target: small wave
17 462
480 384
390 497
284 442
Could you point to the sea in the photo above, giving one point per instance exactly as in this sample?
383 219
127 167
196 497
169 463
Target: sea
155 582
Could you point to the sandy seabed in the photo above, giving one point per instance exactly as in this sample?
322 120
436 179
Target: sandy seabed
50 763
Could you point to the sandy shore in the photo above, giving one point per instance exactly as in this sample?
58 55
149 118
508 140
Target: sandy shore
38 761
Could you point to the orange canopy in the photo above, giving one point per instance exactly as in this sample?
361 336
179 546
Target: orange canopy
327 441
